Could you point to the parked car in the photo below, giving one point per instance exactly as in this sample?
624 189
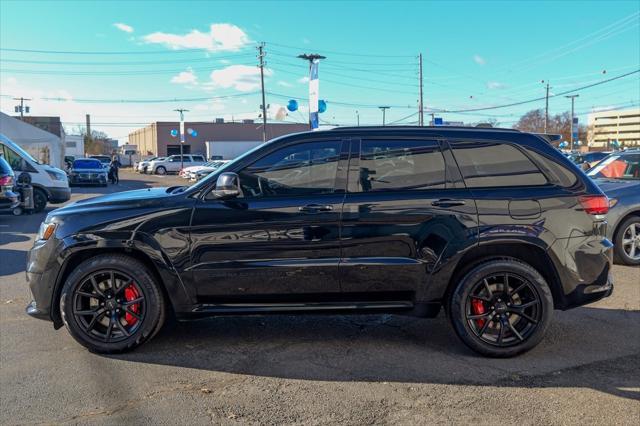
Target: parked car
142 166
172 164
495 225
88 171
50 184
105 160
9 199
208 167
586 160
618 175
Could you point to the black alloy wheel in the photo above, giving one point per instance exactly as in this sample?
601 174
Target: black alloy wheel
501 307
109 305
112 303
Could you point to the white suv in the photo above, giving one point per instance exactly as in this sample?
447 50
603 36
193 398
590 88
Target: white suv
171 164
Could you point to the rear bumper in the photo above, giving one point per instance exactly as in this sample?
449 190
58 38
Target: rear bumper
584 269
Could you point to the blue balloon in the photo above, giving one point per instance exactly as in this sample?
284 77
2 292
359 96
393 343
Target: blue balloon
322 105
194 133
174 133
292 105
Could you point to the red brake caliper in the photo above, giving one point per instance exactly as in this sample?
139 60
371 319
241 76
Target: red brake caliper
131 293
477 307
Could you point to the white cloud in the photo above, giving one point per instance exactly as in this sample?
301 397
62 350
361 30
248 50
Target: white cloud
224 61
479 59
185 77
241 77
221 37
284 84
123 27
495 85
303 80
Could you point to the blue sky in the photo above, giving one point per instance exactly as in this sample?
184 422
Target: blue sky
476 55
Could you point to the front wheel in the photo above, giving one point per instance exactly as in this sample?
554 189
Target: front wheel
39 200
112 303
501 308
161 170
627 242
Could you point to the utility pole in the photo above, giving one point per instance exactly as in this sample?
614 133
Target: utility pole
573 98
313 90
358 118
384 113
88 121
21 108
546 108
182 136
420 101
261 55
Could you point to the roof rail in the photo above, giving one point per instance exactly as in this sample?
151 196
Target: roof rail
549 137
485 129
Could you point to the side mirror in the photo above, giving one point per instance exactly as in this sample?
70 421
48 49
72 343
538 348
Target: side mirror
227 186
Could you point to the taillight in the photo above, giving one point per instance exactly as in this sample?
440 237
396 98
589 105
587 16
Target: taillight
6 181
594 204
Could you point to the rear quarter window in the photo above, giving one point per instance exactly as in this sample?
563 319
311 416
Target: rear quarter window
495 164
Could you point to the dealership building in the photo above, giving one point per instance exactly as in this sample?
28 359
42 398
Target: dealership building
617 125
219 138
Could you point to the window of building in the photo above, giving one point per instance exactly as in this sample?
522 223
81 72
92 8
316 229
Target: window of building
400 164
303 169
489 164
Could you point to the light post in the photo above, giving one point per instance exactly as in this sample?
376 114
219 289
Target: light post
181 111
573 98
384 113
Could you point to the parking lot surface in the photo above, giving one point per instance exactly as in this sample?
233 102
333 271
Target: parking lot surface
313 369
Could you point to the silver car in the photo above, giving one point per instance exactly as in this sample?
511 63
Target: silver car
618 175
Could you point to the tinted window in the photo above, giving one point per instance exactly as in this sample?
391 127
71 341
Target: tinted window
198 158
400 164
304 169
488 164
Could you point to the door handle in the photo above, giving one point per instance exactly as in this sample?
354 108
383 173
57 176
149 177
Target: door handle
447 202
315 208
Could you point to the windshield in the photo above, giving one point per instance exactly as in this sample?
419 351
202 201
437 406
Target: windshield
21 152
618 166
87 164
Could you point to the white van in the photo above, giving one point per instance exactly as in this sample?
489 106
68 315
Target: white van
50 184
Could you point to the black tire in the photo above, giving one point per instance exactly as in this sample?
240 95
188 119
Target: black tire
460 305
161 170
152 315
40 200
620 253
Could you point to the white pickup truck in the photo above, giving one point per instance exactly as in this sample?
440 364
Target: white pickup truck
172 164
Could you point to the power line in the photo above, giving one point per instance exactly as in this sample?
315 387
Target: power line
342 53
144 101
114 63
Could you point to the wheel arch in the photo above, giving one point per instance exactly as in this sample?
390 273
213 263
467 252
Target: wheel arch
529 253
77 257
622 219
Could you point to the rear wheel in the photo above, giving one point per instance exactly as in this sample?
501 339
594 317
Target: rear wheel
161 170
111 303
39 200
501 308
627 241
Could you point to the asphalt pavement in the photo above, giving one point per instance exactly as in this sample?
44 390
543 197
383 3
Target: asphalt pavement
313 369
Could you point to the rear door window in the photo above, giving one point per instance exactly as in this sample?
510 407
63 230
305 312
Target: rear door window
495 164
400 165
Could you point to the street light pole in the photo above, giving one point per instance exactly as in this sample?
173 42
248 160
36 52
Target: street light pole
573 98
181 111
384 113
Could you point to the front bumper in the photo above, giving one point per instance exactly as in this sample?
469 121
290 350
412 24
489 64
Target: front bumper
59 195
41 274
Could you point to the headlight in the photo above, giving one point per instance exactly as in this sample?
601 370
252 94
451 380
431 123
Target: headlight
56 175
46 231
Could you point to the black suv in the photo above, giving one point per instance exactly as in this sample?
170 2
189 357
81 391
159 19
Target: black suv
495 225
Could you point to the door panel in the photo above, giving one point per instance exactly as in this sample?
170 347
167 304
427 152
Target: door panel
280 241
394 237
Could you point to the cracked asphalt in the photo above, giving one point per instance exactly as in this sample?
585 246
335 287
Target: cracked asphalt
314 369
